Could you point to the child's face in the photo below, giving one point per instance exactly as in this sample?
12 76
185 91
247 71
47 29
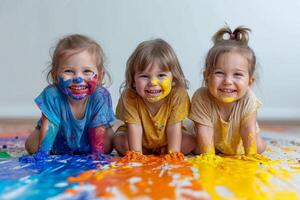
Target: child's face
78 75
153 84
230 80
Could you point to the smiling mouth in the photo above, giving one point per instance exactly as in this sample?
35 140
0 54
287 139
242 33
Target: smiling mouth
153 92
227 91
78 87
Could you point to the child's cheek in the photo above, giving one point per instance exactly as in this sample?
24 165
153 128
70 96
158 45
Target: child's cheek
64 84
92 83
166 86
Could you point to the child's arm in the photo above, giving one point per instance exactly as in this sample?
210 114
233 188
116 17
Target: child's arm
205 138
174 134
97 139
135 133
248 134
42 139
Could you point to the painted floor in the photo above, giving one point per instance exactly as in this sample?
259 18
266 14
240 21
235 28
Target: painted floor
274 175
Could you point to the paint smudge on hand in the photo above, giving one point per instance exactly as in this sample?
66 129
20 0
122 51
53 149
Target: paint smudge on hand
173 157
133 156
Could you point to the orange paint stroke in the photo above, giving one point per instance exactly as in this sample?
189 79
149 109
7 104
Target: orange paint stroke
157 179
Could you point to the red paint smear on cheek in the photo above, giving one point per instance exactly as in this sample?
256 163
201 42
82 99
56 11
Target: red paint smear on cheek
92 84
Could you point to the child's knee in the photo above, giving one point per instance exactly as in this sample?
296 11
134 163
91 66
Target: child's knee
188 143
120 142
261 145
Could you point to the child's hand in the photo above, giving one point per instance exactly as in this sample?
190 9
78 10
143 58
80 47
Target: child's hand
173 156
134 156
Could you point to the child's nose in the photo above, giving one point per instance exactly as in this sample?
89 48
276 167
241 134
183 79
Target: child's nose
228 80
77 79
154 81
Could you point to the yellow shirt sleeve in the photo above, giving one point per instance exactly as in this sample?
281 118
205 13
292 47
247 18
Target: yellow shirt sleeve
249 105
180 105
201 108
126 109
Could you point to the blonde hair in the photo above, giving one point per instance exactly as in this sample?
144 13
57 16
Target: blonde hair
236 41
71 45
148 52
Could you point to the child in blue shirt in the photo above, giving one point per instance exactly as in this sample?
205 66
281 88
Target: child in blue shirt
76 109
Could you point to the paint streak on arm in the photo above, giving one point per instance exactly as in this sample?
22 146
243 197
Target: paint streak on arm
47 134
248 134
97 139
205 139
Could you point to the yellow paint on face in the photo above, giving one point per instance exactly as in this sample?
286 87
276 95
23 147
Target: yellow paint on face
228 99
166 86
154 82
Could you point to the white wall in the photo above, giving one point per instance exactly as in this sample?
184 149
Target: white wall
30 28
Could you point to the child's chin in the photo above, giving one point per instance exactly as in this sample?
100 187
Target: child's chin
78 97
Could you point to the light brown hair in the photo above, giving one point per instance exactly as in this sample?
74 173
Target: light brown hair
236 41
148 52
73 44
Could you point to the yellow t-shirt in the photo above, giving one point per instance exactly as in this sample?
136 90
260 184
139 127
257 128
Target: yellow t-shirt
132 109
227 137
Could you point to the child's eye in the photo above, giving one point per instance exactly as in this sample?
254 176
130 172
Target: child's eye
143 76
88 72
162 75
238 74
68 71
219 73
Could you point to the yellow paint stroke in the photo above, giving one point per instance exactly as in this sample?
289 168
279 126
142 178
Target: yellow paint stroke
154 81
252 148
165 86
243 177
288 148
228 99
206 176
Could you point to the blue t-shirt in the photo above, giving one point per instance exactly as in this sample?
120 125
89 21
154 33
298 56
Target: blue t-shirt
72 135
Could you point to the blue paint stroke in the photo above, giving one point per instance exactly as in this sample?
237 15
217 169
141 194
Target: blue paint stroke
41 175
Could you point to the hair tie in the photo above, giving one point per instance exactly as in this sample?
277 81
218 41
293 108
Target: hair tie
232 36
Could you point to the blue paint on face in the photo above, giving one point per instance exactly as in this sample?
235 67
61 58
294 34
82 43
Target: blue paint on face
77 80
64 87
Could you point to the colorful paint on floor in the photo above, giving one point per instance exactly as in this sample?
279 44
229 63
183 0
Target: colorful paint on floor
275 175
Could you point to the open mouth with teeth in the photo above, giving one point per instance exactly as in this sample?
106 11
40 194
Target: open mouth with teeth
153 93
78 89
227 91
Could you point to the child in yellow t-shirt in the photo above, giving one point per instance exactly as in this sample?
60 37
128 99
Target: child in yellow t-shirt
224 111
153 104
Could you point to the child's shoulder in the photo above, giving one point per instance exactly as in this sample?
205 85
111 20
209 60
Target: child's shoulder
250 98
129 93
201 93
101 94
179 92
102 91
51 91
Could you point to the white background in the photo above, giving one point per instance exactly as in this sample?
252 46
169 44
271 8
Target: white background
30 28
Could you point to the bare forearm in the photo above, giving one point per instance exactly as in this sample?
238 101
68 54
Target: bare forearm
135 134
205 139
174 140
248 137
